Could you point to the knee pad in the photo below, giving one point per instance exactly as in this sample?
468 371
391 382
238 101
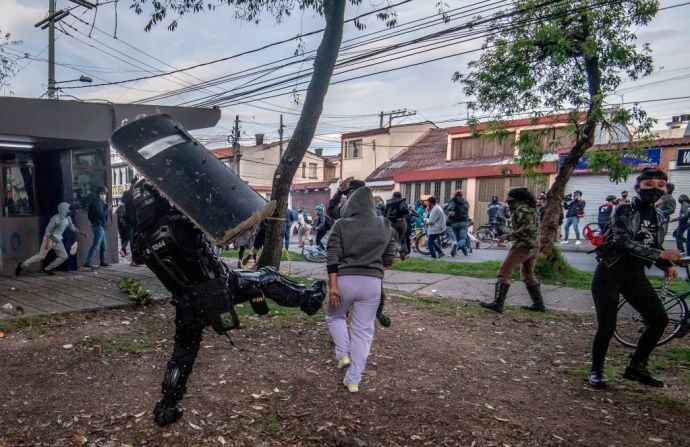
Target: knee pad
175 380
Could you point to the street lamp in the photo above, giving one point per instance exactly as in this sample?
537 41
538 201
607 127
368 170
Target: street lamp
82 78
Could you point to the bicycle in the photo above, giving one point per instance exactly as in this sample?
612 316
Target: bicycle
420 243
631 324
314 254
487 236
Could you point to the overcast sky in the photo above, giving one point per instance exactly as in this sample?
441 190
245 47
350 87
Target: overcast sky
351 105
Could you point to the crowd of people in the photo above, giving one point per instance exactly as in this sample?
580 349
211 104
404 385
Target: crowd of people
633 231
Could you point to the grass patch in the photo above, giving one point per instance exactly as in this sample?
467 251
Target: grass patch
667 402
124 343
566 276
33 325
283 257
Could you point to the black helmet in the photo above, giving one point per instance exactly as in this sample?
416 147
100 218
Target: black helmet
354 184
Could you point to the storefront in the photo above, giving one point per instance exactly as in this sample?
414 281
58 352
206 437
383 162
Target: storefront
53 151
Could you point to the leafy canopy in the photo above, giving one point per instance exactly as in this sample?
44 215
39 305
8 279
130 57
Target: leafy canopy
550 56
247 10
8 63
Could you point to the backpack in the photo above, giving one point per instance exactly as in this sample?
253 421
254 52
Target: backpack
393 211
328 224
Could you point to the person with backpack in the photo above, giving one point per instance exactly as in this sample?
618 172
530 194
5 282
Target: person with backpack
99 211
458 216
322 224
605 212
633 242
395 212
492 209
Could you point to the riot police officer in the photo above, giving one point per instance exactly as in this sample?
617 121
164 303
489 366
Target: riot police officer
204 290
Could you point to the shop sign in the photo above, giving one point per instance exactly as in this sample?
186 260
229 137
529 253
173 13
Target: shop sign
651 157
118 190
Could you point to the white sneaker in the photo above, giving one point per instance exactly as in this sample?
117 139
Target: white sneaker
351 387
343 361
564 242
578 242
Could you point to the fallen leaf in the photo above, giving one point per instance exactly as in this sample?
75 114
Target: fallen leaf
80 439
195 427
68 346
489 407
256 396
652 439
416 438
221 440
501 419
97 349
140 414
257 407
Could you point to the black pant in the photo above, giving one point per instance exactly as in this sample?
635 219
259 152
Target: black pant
680 235
187 340
319 235
626 277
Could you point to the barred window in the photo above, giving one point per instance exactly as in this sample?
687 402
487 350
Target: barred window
427 188
417 192
446 193
437 190
407 187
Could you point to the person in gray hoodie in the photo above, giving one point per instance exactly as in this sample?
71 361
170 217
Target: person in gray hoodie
356 261
437 225
52 240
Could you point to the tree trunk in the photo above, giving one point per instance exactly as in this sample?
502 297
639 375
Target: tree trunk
324 64
585 140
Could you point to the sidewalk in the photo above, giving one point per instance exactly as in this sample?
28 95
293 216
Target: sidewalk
40 294
460 287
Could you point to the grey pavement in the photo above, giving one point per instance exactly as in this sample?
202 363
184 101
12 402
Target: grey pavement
40 294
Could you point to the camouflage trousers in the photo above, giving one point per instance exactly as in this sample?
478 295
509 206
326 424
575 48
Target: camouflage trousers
525 258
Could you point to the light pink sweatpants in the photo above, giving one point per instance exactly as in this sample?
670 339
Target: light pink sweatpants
362 294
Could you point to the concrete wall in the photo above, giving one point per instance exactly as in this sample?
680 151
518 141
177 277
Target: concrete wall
19 238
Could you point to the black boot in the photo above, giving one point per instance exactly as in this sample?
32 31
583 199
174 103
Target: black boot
639 373
596 379
537 300
383 319
500 293
167 411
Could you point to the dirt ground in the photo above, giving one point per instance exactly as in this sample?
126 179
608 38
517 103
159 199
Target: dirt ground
444 374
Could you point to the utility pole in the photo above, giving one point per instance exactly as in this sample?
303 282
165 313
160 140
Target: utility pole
49 22
280 133
51 50
395 114
236 144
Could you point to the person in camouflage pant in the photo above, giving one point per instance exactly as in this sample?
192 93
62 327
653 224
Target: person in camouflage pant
524 234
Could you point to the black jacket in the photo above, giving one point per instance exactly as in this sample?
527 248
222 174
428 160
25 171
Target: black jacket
625 224
98 211
576 208
460 207
667 206
396 208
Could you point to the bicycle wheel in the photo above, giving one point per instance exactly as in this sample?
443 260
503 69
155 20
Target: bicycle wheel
314 257
631 324
485 238
420 245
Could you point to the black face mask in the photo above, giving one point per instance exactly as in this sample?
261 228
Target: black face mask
650 196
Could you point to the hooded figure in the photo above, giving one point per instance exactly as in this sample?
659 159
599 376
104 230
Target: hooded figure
355 262
52 240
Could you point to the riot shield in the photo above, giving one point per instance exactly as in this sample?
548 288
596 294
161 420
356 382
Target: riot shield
216 199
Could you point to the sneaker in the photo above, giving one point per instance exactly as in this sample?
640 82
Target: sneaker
105 264
454 251
87 267
48 272
564 242
578 242
352 387
596 379
343 361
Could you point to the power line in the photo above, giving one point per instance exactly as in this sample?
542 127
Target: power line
299 36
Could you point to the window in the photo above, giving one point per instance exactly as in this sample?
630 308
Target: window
89 168
407 187
446 192
354 149
481 147
304 170
551 139
427 188
312 170
17 184
417 192
458 184
437 190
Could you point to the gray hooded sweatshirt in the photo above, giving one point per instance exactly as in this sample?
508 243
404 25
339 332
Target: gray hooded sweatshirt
362 242
59 222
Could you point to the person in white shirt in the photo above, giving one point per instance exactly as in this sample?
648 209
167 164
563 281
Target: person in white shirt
52 240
